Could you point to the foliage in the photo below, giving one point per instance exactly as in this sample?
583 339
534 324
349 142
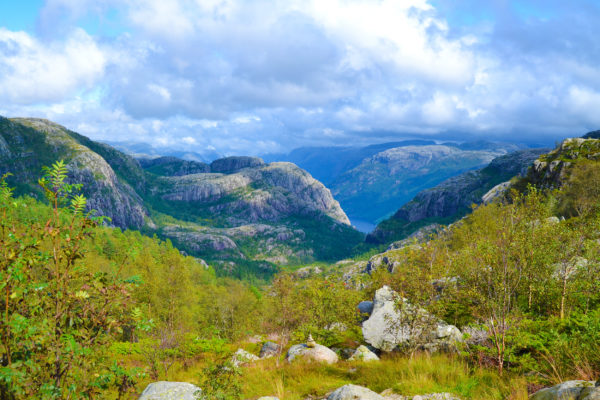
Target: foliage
57 315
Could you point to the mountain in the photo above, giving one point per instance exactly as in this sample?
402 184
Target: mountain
372 182
328 163
237 211
452 199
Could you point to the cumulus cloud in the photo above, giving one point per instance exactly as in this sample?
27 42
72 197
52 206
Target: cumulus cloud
239 76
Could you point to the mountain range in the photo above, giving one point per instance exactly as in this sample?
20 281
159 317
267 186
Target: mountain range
240 213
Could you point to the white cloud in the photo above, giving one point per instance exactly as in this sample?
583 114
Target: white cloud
232 73
34 72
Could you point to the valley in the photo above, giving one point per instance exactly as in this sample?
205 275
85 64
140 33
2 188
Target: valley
242 278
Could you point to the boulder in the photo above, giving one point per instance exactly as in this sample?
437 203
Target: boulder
268 398
319 353
365 307
363 354
385 330
241 357
570 390
170 391
269 349
354 392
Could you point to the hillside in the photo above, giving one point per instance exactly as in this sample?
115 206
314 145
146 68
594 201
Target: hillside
372 182
452 199
237 211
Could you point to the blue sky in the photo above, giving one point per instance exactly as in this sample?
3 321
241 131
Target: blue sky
252 77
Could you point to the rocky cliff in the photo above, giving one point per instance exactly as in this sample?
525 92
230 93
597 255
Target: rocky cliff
453 198
30 144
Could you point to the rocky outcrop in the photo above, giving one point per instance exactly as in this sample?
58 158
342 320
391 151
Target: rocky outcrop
354 392
363 353
454 197
34 143
266 193
388 326
552 170
229 165
170 391
318 353
570 390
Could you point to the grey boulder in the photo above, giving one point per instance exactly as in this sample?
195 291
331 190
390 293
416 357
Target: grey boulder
170 391
319 353
269 349
385 330
570 390
363 354
354 392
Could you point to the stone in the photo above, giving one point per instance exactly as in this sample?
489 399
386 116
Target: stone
269 349
241 357
569 390
363 353
354 392
365 307
310 342
384 330
389 394
319 353
170 391
268 398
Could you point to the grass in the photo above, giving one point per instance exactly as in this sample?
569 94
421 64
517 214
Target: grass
420 374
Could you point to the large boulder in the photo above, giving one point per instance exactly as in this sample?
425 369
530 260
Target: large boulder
363 354
354 392
570 390
388 326
318 353
170 391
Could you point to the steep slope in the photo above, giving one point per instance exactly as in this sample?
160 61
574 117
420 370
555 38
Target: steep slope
452 199
383 182
30 144
237 209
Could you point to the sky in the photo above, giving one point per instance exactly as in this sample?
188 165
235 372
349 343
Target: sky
235 77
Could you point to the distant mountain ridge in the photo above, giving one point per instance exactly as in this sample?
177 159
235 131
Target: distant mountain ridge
452 199
236 209
372 182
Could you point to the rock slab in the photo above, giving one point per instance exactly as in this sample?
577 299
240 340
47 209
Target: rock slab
170 391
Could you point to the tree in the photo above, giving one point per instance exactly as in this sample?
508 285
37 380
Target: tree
57 316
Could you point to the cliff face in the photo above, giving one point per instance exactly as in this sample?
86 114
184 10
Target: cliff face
453 198
235 208
34 143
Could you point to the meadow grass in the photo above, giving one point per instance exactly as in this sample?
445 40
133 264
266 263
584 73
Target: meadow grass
420 374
